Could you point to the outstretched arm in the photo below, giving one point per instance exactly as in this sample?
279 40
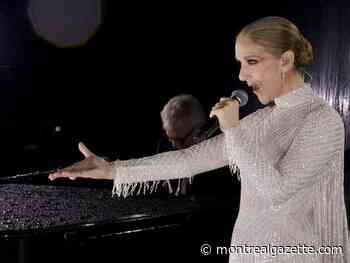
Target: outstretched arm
205 156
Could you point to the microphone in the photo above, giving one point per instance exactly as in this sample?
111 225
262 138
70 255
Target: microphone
242 97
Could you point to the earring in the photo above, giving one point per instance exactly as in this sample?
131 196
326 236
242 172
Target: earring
283 79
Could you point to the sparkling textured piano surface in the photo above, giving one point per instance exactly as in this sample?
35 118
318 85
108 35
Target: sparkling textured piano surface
42 207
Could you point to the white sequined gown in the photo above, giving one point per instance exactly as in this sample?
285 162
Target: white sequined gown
291 167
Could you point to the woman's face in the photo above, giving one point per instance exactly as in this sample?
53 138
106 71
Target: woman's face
259 69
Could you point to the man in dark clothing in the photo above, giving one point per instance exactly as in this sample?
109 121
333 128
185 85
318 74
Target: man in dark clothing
185 123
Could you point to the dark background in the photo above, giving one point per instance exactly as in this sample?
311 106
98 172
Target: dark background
109 91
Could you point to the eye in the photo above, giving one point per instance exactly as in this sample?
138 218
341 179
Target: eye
252 61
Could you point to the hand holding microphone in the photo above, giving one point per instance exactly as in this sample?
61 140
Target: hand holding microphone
227 109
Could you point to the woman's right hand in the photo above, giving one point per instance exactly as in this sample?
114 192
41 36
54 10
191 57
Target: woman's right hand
227 112
92 166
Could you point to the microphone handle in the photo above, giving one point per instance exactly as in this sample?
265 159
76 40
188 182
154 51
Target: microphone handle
213 129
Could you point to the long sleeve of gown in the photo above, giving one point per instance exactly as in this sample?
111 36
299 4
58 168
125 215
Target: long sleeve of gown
315 149
142 174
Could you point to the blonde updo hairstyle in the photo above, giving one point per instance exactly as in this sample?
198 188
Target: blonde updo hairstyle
277 35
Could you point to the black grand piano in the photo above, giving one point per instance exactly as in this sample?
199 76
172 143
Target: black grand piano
80 221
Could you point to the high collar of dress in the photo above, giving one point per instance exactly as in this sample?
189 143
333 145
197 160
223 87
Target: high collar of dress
295 97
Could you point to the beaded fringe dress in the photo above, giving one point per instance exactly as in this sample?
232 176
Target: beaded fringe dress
291 163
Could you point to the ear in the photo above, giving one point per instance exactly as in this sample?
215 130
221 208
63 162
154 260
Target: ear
287 60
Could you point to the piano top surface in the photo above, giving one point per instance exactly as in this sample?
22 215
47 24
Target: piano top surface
29 208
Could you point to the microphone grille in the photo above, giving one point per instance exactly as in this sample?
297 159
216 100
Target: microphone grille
241 95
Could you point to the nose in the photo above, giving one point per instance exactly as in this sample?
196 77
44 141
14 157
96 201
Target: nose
242 74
